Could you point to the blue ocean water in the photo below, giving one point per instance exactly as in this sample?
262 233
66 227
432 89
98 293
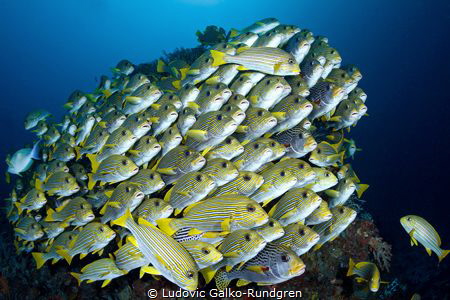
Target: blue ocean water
50 48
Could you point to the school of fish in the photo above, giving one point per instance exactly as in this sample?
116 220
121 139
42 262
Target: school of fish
232 166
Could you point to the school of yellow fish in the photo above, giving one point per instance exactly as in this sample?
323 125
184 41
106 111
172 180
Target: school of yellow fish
232 166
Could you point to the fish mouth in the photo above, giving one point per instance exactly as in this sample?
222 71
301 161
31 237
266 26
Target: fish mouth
174 114
90 217
146 126
140 195
135 170
308 106
314 239
272 120
297 270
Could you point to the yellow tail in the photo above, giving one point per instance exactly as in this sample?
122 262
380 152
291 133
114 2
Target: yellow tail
208 274
77 277
65 253
91 182
165 225
218 58
160 66
50 215
361 188
124 220
94 162
443 255
351 265
39 258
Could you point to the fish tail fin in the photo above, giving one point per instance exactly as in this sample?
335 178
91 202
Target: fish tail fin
351 265
39 258
91 182
360 189
124 220
35 151
78 153
160 66
222 280
38 184
7 177
443 255
50 215
218 58
94 162
77 277
272 210
19 207
208 273
65 254
167 225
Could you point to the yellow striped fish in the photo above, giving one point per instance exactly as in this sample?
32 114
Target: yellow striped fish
295 206
33 200
220 170
221 213
28 229
423 232
245 184
366 272
125 196
331 229
77 211
103 269
268 60
298 237
92 238
321 214
167 256
270 231
237 248
148 181
61 242
204 254
228 149
152 209
129 257
60 183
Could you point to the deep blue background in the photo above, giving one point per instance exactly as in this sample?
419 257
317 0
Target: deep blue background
50 48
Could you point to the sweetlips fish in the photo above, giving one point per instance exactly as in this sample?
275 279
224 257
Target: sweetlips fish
119 142
423 232
274 264
103 269
245 184
224 213
255 155
270 231
148 181
33 200
128 257
28 229
152 209
268 60
258 122
204 254
258 27
189 189
168 257
228 149
300 44
323 180
366 272
93 143
113 169
170 139
92 238
32 118
59 183
221 171
298 237
61 242
295 205
76 211
344 189
237 248
321 214
145 150
331 229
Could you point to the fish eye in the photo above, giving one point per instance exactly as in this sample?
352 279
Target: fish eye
67 180
207 60
409 219
247 237
101 133
228 141
187 153
251 208
301 232
67 149
102 229
298 84
332 52
228 108
124 162
224 165
217 86
235 97
34 226
256 146
219 117
136 119
327 174
285 258
199 178
267 81
166 107
152 176
259 113
171 97
59 164
301 166
297 100
341 210
282 173
342 75
205 251
319 151
127 189
157 203
82 206
290 61
190 274
305 194
273 144
124 133
347 106
208 93
70 237
247 178
170 131
271 224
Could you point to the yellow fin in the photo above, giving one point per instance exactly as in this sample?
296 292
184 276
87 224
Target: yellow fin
226 224
361 188
351 265
94 162
167 171
177 84
123 220
148 270
257 269
218 58
199 135
443 255
39 258
164 225
428 251
106 282
242 282
77 277
208 274
160 66
142 221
